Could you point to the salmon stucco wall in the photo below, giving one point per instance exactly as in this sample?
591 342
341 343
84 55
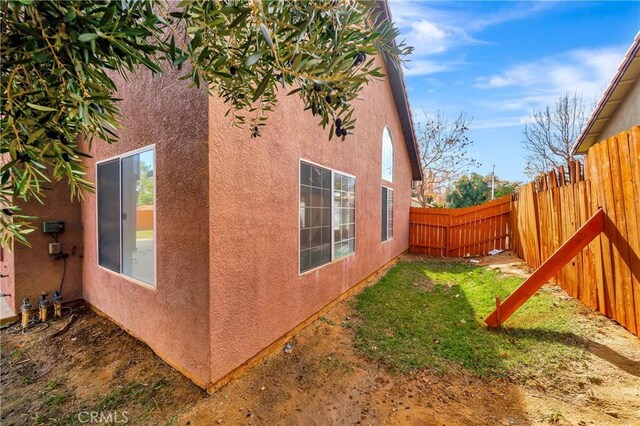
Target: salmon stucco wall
257 294
7 279
35 271
171 317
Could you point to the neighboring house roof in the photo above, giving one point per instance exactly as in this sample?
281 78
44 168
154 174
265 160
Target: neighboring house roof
627 74
398 88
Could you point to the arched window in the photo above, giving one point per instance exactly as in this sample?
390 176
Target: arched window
387 155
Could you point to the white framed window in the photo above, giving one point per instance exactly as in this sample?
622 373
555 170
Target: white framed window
344 215
386 214
327 215
387 155
125 188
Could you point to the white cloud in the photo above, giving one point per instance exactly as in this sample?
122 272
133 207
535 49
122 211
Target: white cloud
520 75
525 87
427 37
538 83
436 30
424 67
512 12
601 61
494 123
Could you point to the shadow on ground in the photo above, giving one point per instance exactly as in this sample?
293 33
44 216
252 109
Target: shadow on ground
600 350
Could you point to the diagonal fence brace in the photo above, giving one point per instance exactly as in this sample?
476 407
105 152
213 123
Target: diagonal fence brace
567 251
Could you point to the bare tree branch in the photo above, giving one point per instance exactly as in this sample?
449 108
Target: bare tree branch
443 152
548 135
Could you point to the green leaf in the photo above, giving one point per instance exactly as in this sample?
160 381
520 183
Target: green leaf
266 35
252 59
70 15
262 86
41 108
95 40
87 37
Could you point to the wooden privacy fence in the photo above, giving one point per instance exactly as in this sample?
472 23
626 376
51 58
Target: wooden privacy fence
545 213
459 232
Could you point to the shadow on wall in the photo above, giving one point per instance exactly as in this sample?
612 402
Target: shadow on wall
36 271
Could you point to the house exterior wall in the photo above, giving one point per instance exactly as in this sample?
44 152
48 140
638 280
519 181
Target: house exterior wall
226 213
626 115
7 282
32 270
257 294
173 316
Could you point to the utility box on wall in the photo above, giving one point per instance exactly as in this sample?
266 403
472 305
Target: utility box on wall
53 227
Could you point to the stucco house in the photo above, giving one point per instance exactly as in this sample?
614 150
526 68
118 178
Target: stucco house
619 106
209 245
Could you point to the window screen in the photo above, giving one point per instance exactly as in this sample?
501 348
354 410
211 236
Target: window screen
108 190
137 216
126 209
389 214
315 216
386 213
344 215
327 215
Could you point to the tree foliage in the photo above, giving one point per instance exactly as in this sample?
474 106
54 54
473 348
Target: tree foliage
469 191
145 185
474 189
444 155
58 59
504 187
550 133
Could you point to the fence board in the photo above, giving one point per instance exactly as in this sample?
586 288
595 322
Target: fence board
459 232
633 190
544 214
606 274
619 173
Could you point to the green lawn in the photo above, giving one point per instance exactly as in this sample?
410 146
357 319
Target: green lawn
430 314
144 234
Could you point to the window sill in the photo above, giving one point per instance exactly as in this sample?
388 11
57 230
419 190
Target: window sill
130 279
326 264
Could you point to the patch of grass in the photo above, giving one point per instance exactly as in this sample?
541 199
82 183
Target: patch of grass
15 355
53 384
595 380
144 234
66 420
326 320
132 393
39 419
430 314
554 417
28 378
55 400
334 363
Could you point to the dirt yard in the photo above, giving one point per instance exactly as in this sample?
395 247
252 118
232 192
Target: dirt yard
323 380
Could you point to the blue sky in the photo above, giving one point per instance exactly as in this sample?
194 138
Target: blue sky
498 61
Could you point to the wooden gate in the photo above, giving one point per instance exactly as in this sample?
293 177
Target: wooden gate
466 231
